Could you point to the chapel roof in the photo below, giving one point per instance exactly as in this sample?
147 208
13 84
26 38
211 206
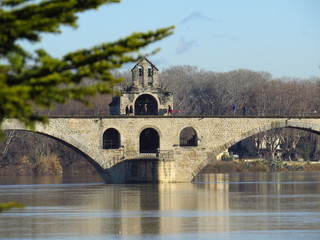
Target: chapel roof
145 59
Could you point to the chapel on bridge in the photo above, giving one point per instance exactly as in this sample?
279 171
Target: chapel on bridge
145 96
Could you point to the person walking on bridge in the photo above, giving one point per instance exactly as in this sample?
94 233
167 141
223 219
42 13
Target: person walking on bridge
170 110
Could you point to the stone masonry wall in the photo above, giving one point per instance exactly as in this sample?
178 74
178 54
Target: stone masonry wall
214 134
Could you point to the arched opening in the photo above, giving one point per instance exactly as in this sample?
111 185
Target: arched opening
150 72
111 139
188 137
140 69
146 105
287 144
149 141
150 76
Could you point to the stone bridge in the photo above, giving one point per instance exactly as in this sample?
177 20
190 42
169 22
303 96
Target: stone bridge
150 149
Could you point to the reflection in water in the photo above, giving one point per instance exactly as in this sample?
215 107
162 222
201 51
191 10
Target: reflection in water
215 206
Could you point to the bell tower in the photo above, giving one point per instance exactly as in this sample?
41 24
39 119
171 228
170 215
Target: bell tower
145 74
145 96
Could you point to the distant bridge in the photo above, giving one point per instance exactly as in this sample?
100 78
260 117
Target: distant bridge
156 148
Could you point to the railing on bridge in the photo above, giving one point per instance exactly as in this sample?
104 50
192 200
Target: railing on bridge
163 154
102 113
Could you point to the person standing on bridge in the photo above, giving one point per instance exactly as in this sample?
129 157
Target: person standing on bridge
170 110
234 109
244 110
130 110
127 110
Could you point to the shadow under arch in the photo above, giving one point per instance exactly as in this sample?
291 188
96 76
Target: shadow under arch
305 126
138 170
103 173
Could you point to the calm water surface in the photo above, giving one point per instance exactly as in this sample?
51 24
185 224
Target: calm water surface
216 206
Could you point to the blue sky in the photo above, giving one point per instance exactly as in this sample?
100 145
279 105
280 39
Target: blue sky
281 37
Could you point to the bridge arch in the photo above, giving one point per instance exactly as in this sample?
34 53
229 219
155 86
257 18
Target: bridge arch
80 149
306 126
309 127
111 139
188 137
149 141
146 104
150 126
76 144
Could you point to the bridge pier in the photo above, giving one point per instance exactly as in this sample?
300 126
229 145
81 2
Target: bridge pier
143 170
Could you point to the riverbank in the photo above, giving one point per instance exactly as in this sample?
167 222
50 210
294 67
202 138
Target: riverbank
260 165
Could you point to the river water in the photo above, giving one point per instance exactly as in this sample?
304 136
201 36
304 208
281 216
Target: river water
215 206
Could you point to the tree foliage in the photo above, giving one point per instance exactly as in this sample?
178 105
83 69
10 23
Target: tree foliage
36 79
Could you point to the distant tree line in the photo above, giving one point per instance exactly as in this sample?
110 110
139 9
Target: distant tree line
200 92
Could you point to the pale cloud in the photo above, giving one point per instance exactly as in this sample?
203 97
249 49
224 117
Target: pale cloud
198 16
184 45
224 36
